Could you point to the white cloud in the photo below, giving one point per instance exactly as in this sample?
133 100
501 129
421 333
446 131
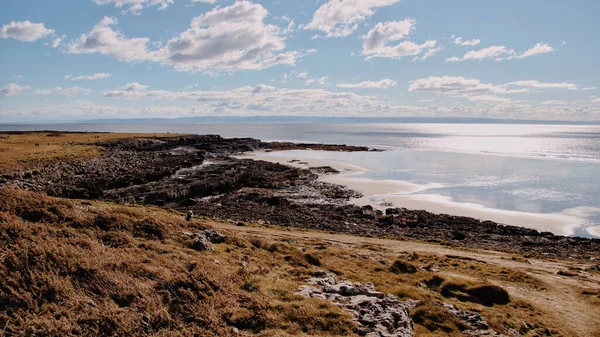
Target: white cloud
228 39
268 100
501 53
12 89
104 40
291 27
259 99
25 31
554 102
67 92
377 41
341 17
476 91
383 84
487 98
224 39
589 88
321 80
17 77
97 76
302 75
597 100
432 52
459 41
57 41
461 86
129 90
539 48
493 52
541 85
136 6
383 33
458 86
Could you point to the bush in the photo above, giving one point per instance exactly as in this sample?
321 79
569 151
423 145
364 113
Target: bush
403 267
489 294
486 294
434 282
313 260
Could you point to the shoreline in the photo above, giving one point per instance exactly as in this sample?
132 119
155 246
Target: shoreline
381 194
168 172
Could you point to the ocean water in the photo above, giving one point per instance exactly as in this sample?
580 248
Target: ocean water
541 176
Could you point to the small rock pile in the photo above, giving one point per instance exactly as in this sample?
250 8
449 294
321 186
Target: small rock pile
202 241
377 314
479 327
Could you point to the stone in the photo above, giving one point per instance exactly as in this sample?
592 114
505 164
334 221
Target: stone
477 325
201 243
456 235
377 314
213 236
386 220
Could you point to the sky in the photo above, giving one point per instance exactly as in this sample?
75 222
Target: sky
69 60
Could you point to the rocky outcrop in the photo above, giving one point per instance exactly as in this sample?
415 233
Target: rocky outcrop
376 313
477 325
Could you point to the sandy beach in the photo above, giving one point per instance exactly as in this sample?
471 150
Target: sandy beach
384 193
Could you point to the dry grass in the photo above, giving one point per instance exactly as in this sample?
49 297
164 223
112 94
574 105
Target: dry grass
70 268
19 151
81 268
475 279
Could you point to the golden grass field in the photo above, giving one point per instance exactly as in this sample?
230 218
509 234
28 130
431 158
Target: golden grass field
77 267
72 266
19 151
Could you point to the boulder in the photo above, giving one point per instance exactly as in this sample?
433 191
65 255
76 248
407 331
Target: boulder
201 243
385 221
213 236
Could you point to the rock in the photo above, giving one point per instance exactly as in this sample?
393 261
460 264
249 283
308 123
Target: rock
385 221
213 236
433 268
376 313
478 326
456 235
201 243
569 273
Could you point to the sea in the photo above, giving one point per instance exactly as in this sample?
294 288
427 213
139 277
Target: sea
545 177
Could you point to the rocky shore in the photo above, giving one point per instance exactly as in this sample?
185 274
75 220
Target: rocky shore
199 173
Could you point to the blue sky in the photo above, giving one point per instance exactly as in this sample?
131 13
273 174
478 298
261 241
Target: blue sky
82 59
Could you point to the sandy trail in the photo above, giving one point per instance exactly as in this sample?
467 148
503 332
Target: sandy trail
561 298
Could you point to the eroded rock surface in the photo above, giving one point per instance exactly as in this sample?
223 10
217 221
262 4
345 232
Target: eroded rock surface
376 313
478 325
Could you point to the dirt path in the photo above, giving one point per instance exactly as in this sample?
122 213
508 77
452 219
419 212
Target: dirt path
561 297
